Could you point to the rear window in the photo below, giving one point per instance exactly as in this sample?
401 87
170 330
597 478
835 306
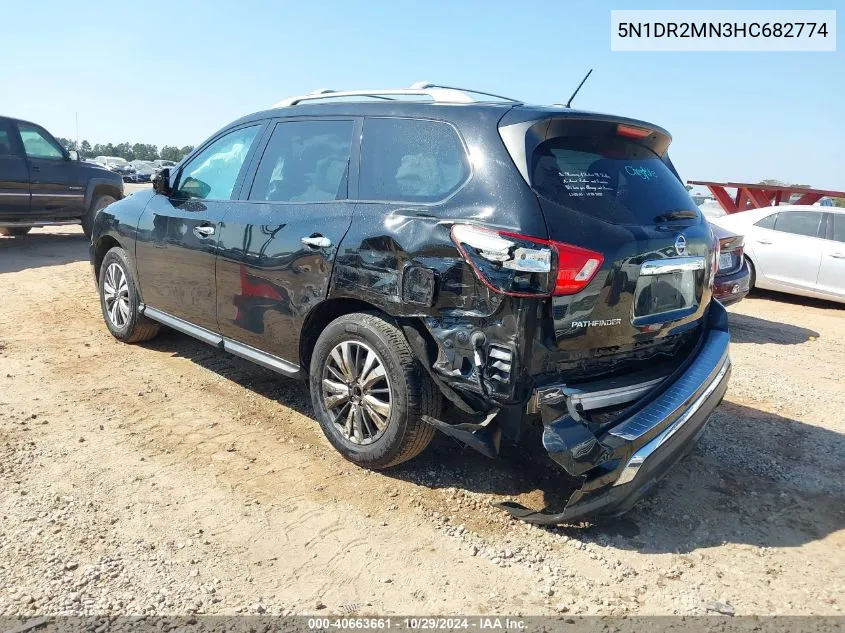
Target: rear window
612 179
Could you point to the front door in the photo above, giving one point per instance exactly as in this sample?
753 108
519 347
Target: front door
57 190
277 247
178 234
14 176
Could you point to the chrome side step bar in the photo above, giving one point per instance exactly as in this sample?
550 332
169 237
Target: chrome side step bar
206 336
268 361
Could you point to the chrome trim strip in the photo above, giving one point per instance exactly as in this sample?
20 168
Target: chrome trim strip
672 265
609 397
639 458
13 193
258 357
57 195
206 336
35 224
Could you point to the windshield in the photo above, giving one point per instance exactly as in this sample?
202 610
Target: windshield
612 179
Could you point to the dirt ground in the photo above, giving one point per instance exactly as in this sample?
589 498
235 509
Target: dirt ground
168 478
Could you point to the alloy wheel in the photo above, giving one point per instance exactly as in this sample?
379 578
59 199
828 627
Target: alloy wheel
116 295
356 392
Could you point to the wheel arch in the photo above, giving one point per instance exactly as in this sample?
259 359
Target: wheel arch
321 315
101 186
104 245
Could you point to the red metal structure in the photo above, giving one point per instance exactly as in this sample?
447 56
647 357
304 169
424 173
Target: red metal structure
756 195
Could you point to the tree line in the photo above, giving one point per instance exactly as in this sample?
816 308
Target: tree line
135 151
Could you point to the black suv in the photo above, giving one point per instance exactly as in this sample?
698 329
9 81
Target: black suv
468 264
41 183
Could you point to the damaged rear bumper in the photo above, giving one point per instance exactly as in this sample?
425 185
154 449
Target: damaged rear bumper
619 465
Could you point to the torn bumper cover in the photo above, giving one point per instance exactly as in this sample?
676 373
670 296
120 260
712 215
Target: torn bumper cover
623 462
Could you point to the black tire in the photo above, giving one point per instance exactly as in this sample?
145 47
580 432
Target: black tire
14 231
131 327
752 274
96 204
411 391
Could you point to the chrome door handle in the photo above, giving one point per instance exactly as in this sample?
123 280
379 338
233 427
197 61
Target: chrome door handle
763 242
838 255
317 242
203 231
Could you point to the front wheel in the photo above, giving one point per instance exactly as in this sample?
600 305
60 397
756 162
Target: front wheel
370 392
120 301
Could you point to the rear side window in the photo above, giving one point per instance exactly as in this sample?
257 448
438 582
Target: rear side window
305 161
839 227
610 178
413 160
6 140
768 222
799 223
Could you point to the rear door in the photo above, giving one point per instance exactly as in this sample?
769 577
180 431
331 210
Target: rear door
608 187
789 255
277 246
178 234
14 176
831 279
54 180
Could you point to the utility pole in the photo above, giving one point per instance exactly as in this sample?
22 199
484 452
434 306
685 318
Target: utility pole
77 130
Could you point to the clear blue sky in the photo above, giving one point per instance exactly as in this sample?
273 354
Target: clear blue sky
174 72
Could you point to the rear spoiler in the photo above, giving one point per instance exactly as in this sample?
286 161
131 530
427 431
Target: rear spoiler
523 129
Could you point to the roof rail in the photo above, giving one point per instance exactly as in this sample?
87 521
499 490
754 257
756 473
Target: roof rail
441 94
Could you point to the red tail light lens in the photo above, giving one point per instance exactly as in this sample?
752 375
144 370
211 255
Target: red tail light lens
629 131
576 268
523 266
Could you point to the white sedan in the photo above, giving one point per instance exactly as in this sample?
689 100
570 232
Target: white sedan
791 248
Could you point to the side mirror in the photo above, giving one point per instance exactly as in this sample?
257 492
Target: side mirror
73 155
161 181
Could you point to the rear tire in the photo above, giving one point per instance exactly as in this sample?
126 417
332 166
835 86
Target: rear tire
119 300
96 204
14 231
752 274
371 410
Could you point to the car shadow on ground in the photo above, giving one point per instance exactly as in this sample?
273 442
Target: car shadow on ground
797 300
38 249
755 477
750 329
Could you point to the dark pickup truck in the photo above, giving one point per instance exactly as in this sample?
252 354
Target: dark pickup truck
42 183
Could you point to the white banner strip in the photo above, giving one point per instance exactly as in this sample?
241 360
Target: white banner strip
709 30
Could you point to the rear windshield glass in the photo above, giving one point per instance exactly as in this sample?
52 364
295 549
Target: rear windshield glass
612 179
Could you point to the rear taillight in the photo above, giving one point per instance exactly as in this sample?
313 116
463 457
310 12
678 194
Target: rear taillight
523 266
714 263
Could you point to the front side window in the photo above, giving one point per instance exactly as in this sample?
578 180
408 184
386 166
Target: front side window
411 160
799 223
211 174
768 222
305 161
38 144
